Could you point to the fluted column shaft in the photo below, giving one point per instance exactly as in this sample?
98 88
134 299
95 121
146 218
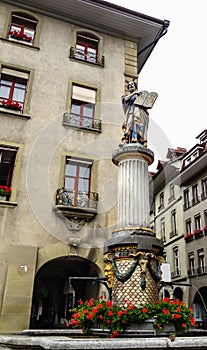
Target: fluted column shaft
133 192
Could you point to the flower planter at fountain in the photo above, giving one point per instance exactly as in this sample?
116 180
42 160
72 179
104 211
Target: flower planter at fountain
102 318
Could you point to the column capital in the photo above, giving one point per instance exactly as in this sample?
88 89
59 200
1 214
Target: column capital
132 150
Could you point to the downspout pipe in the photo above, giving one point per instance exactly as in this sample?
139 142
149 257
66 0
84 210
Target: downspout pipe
164 31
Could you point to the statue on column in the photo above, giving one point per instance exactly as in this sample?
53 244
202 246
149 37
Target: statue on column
136 116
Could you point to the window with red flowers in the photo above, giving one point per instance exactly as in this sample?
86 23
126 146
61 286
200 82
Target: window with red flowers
22 28
13 85
7 161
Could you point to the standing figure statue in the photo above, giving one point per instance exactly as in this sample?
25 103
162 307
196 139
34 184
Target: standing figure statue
136 116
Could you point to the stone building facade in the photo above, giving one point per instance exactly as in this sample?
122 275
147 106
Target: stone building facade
63 69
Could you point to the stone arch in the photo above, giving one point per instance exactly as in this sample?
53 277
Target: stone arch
62 279
200 307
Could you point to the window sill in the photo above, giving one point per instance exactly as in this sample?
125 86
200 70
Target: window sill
12 113
7 204
20 43
95 64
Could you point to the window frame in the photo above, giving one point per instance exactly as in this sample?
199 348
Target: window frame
197 221
163 229
93 37
188 225
186 198
204 188
19 71
191 263
201 261
25 14
78 164
161 201
18 148
83 158
176 261
195 195
173 223
96 115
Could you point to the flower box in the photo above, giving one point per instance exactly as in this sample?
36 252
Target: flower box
188 237
11 105
104 318
20 36
205 230
198 233
5 193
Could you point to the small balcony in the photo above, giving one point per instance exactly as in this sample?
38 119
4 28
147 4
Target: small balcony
80 122
77 204
79 55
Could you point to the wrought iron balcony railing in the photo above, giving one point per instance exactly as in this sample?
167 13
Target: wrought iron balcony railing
78 121
79 55
77 199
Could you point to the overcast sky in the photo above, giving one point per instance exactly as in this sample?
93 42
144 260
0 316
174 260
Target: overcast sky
177 71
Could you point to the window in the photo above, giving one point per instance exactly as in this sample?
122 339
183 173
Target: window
87 47
161 206
195 199
163 229
176 261
78 180
83 106
173 223
10 161
201 262
186 194
13 85
191 262
205 217
7 161
188 226
198 222
204 188
77 175
22 28
172 193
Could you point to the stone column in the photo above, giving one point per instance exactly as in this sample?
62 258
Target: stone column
133 254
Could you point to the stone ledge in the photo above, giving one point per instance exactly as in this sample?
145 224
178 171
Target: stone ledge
63 342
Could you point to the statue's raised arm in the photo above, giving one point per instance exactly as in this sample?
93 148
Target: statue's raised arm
136 117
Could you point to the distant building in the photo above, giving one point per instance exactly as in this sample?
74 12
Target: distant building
180 219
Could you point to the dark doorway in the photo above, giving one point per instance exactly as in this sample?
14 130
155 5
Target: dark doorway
54 295
178 294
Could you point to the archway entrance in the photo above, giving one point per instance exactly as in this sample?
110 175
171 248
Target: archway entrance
200 307
54 295
178 294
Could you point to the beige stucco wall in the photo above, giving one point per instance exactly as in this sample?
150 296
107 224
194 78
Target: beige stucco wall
32 222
